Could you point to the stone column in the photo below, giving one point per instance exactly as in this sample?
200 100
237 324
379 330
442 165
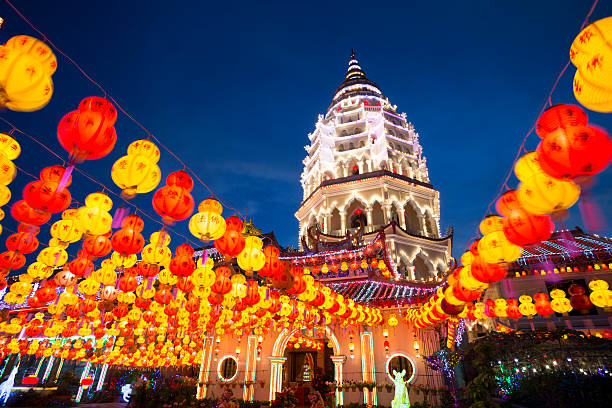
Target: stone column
387 212
402 217
204 367
342 222
338 366
360 164
276 375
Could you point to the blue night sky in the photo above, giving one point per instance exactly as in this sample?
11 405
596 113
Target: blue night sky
234 88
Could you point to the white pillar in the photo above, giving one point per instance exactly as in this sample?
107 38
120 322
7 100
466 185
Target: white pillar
402 217
276 375
370 227
338 363
342 222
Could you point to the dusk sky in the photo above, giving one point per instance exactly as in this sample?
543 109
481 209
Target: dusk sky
234 88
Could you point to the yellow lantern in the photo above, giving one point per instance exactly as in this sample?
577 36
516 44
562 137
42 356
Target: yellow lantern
527 308
591 53
26 66
392 321
53 256
490 224
9 146
137 173
252 257
5 194
467 258
542 194
208 224
495 248
88 286
527 166
559 302
66 230
94 218
38 270
7 170
600 296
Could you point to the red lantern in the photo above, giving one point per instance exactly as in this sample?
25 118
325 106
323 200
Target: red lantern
486 272
23 242
523 228
147 270
80 266
542 304
43 194
128 283
507 202
182 264
272 265
578 299
128 240
575 151
252 297
120 311
232 242
89 133
163 295
97 245
173 202
512 310
185 284
560 117
10 260
222 284
24 213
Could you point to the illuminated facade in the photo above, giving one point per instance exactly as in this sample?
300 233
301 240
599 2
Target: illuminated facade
364 171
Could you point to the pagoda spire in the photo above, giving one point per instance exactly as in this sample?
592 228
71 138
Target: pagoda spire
354 70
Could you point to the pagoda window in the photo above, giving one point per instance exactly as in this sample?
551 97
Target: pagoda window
390 131
358 219
340 148
335 223
430 225
421 271
344 133
357 131
394 215
361 144
351 146
411 219
378 216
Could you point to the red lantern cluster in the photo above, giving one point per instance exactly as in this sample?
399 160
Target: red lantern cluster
88 133
173 202
47 194
570 148
182 265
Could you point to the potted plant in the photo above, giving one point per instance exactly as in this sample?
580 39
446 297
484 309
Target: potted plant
389 387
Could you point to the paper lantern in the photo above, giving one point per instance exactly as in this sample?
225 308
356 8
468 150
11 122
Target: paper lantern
560 117
507 202
45 194
491 223
574 152
137 172
579 300
590 53
26 66
523 228
542 194
94 217
487 272
208 224
89 133
252 257
182 265
97 245
495 248
527 166
600 296
128 240
25 214
542 304
173 202
232 242
23 242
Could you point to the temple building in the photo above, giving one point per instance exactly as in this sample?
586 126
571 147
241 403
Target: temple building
369 230
365 170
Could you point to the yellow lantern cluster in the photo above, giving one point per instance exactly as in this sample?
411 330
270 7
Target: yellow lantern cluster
591 53
526 306
601 295
157 252
19 290
26 66
540 193
137 172
9 151
208 224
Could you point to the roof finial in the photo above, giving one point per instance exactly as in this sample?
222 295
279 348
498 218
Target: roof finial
354 70
352 54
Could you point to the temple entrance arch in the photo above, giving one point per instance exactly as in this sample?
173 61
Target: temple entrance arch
278 359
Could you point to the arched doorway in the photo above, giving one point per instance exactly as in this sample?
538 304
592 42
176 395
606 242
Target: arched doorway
279 359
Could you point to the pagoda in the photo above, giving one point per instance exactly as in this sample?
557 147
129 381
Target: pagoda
365 172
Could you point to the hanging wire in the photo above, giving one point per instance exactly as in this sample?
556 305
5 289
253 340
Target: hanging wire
107 95
522 148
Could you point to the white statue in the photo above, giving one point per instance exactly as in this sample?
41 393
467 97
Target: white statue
401 399
7 386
